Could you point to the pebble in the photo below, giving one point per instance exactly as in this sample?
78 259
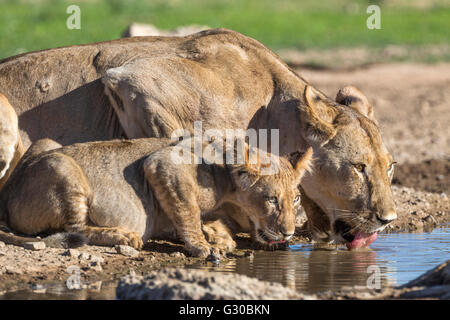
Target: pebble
96 266
2 244
12 270
84 256
177 255
97 259
73 253
126 250
96 286
38 288
35 246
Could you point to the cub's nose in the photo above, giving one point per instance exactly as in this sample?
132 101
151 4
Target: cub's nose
387 217
287 236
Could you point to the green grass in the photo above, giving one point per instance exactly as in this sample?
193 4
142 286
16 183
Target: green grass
32 25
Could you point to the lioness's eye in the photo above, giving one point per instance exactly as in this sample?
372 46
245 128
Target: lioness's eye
361 167
297 199
272 200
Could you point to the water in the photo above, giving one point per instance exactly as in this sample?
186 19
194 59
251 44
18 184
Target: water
398 258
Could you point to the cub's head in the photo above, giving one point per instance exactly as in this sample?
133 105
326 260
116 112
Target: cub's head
350 183
267 191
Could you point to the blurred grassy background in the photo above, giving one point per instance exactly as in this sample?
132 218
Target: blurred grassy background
27 25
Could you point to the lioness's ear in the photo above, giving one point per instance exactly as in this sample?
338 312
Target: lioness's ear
301 162
353 98
317 117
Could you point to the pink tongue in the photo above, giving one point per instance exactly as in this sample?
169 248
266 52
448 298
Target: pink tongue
273 242
361 240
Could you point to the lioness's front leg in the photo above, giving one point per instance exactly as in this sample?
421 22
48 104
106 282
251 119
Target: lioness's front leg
175 192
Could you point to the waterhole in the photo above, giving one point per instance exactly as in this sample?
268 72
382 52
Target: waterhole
394 258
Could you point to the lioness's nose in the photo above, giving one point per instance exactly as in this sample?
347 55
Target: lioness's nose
387 217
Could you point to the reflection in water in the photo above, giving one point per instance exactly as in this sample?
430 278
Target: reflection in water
59 291
399 258
306 270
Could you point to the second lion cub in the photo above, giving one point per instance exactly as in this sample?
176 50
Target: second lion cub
129 191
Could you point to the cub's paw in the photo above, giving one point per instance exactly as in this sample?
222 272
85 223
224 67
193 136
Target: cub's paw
199 249
219 237
132 239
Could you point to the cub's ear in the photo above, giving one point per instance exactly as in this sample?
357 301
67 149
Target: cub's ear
301 162
245 179
355 99
248 173
317 116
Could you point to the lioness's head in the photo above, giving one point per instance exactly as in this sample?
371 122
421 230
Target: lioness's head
350 183
271 198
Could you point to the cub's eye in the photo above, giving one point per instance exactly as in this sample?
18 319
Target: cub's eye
361 167
272 200
296 199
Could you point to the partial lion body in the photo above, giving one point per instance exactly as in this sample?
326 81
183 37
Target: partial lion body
129 191
11 147
151 86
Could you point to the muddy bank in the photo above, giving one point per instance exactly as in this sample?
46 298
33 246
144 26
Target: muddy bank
419 211
24 269
21 268
185 284
431 175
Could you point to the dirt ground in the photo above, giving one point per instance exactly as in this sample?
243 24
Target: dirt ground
412 105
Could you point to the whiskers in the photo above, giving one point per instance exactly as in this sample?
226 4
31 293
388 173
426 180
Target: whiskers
358 220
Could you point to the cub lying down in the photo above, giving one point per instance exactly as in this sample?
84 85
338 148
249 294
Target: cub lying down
130 191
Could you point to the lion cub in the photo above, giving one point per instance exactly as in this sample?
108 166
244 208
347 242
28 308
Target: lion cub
130 191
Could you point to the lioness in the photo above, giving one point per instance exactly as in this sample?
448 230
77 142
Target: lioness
226 80
126 192
11 147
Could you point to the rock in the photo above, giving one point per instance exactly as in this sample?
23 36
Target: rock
2 244
126 251
435 277
98 259
84 256
200 285
141 29
35 246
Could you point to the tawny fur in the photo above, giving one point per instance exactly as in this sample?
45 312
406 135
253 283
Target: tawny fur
129 191
11 147
151 86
